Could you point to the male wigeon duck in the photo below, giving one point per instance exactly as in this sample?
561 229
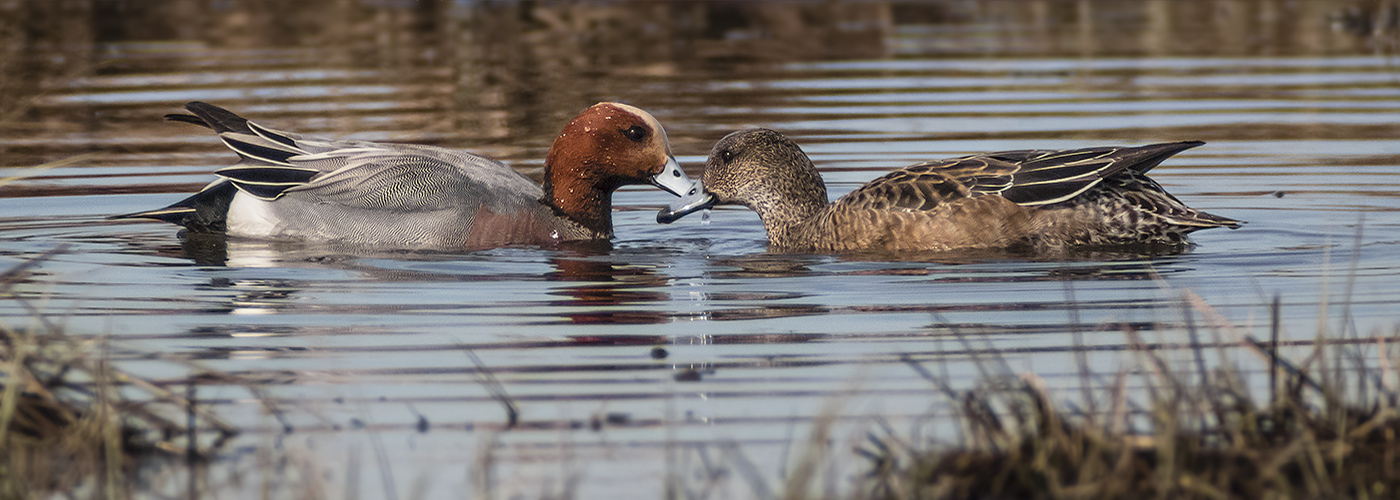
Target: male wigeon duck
290 186
1035 200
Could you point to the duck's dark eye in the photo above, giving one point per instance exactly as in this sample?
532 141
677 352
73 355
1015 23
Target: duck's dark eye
726 155
636 133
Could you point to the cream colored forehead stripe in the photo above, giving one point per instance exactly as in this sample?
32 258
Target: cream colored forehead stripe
650 121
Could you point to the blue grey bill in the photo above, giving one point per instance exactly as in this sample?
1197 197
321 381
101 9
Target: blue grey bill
672 178
694 200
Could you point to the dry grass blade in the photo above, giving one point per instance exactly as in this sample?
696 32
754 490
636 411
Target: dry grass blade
64 421
1313 439
37 169
495 388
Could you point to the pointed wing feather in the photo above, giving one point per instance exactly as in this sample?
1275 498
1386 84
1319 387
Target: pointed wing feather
259 174
256 148
218 119
1050 177
392 179
1063 166
274 135
266 169
1025 177
266 182
183 118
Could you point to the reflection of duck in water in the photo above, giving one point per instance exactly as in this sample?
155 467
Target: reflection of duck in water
293 187
764 266
606 285
1040 200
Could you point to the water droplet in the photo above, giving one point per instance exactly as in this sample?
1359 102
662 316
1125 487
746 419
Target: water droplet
704 217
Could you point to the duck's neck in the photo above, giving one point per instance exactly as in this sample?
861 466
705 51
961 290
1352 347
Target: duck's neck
784 213
574 192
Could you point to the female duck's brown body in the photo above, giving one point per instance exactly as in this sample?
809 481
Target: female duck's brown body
1014 199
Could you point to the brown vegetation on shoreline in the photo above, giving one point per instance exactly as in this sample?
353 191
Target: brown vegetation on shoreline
1329 430
66 425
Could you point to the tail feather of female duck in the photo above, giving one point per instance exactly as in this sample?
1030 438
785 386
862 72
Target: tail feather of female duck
1149 197
1203 220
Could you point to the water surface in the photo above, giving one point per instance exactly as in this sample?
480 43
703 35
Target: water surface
685 358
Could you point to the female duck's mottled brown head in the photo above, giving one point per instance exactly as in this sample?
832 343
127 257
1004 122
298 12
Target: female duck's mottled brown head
760 169
1011 199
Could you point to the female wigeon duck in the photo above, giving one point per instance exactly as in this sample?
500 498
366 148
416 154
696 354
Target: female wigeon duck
1036 200
294 187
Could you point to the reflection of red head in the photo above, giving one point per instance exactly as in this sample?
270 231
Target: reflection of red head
608 285
610 340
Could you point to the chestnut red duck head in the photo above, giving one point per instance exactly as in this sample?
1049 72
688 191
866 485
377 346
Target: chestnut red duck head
605 147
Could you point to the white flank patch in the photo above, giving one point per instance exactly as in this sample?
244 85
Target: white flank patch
251 217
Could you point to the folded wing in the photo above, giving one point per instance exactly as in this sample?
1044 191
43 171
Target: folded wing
1028 178
353 174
